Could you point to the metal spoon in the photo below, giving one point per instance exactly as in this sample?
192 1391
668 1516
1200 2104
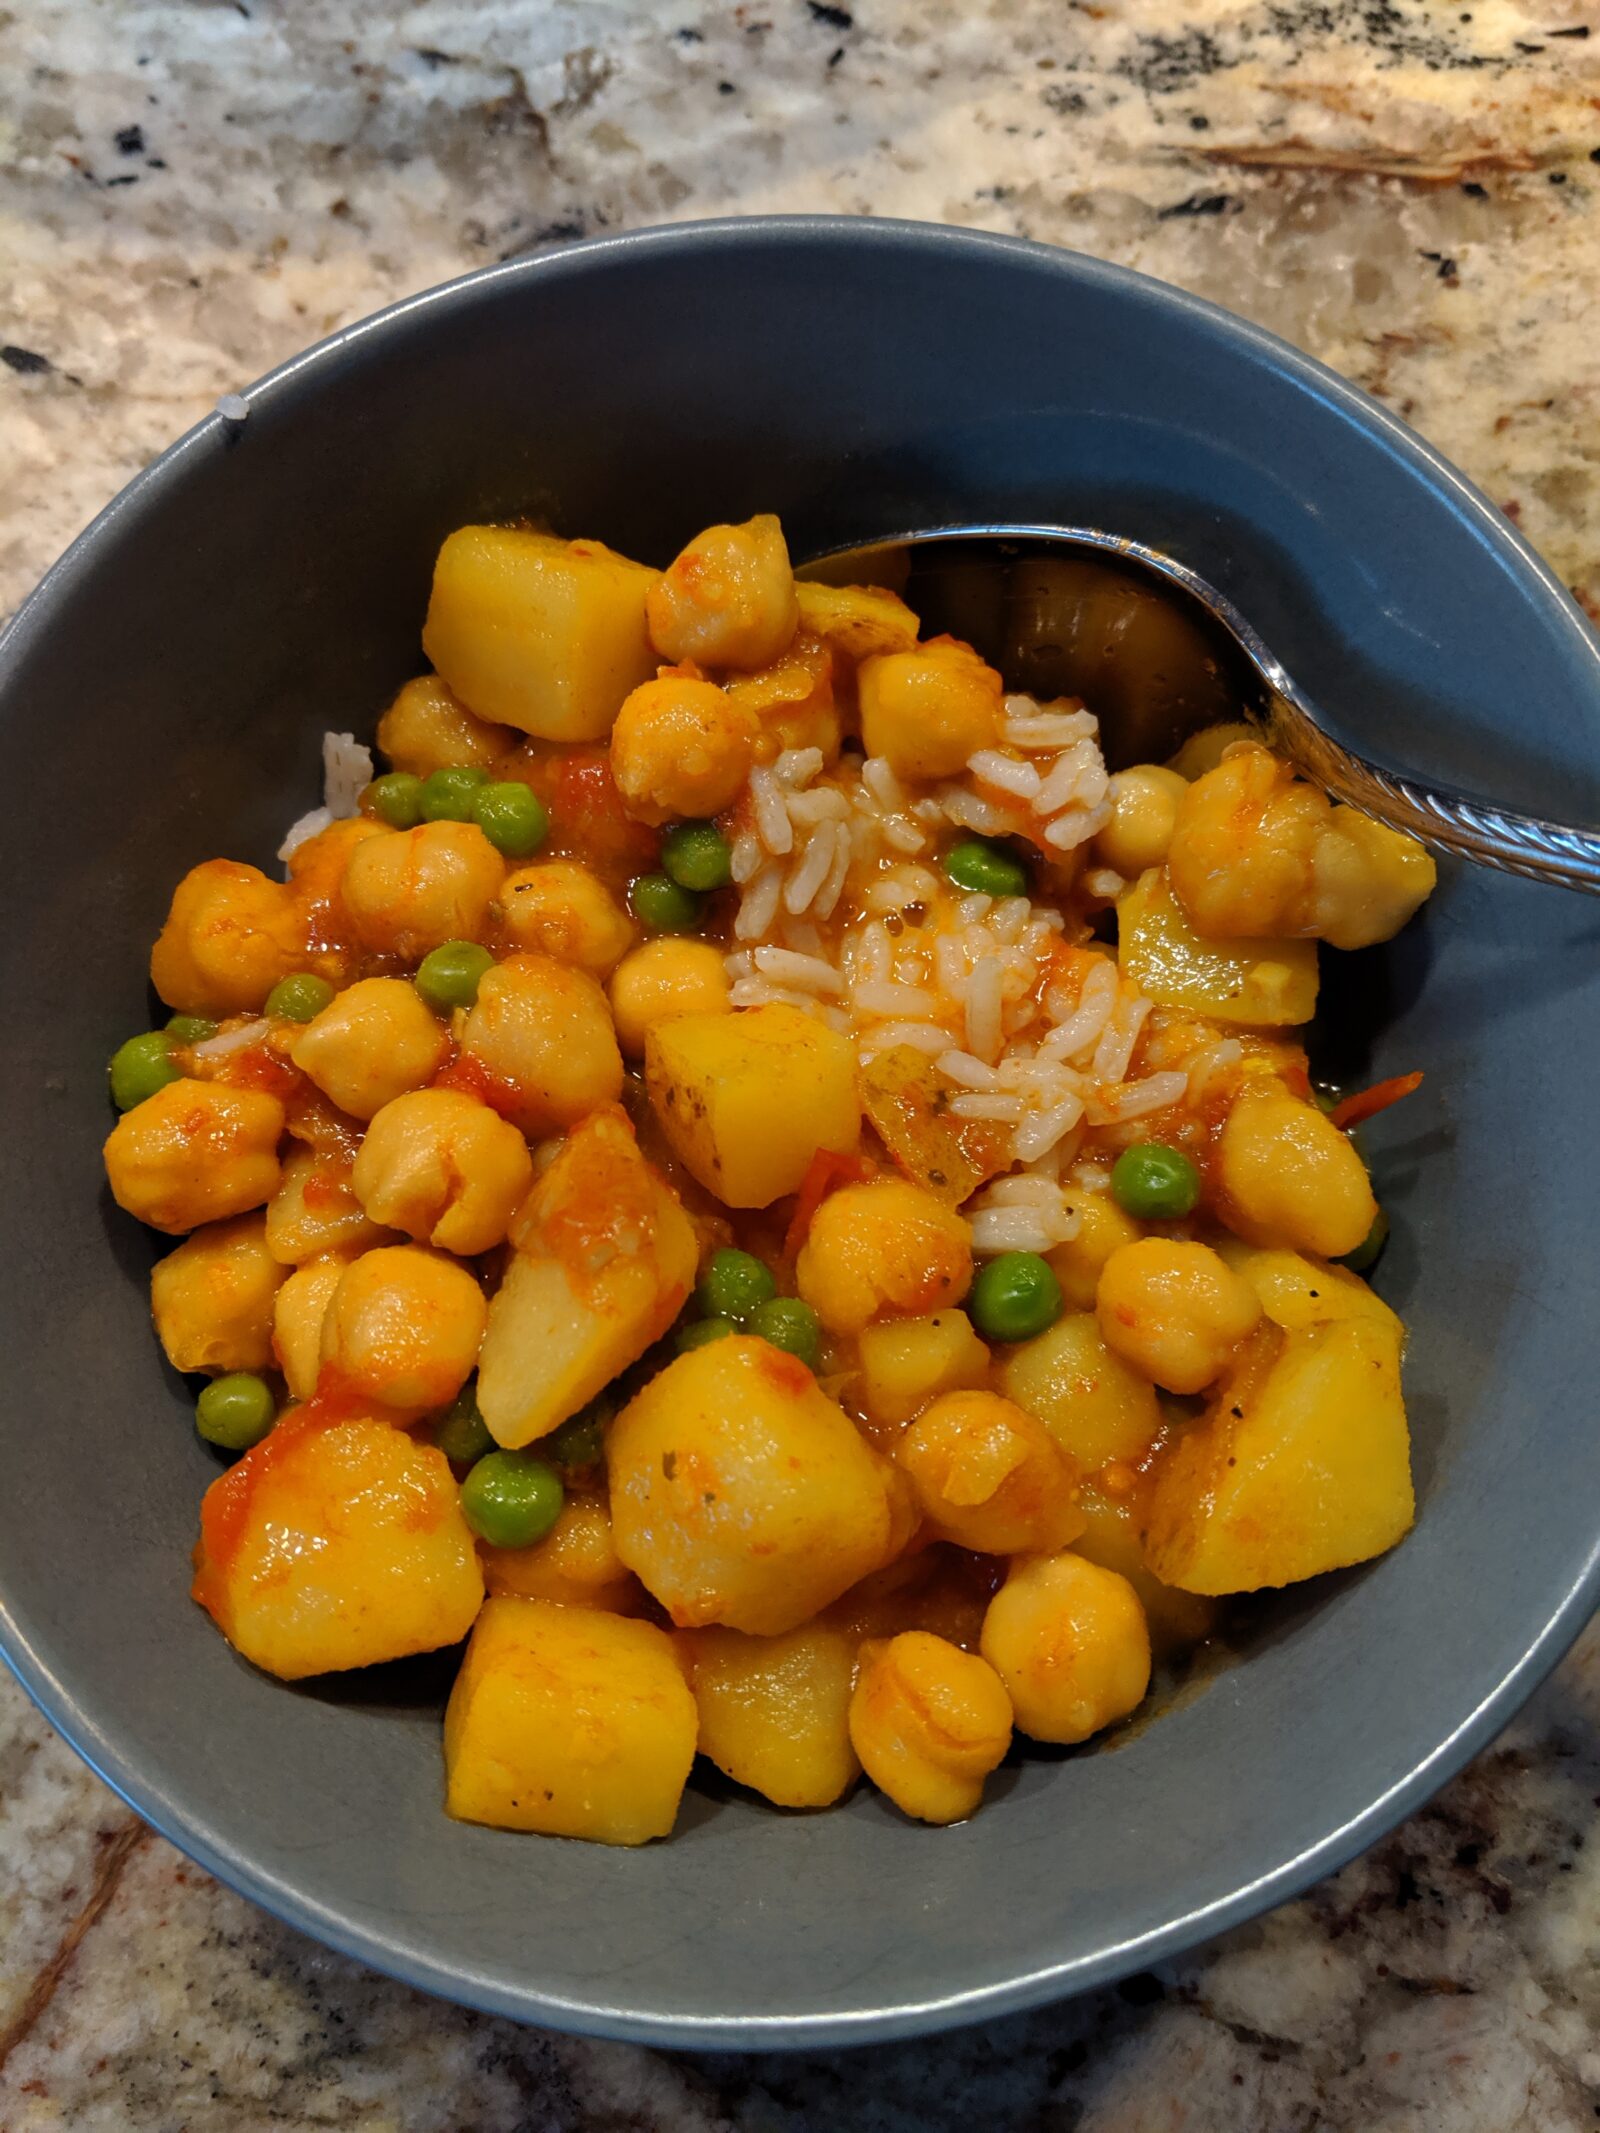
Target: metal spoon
1157 652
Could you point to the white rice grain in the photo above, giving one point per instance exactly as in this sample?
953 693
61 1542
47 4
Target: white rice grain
772 817
1005 773
806 973
982 1011
812 871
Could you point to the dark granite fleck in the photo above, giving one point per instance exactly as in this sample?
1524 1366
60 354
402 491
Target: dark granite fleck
27 361
837 18
130 141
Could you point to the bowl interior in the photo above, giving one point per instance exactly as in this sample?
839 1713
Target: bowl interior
266 581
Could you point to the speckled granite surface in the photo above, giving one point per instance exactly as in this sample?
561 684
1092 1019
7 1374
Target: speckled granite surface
189 193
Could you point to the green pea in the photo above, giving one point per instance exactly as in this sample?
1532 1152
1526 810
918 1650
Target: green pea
697 856
140 1067
448 976
700 1332
463 1436
1154 1183
785 1322
985 868
190 1029
581 1440
512 817
235 1411
511 1499
662 905
1326 1100
733 1284
447 795
396 798
300 998
1014 1297
1368 1252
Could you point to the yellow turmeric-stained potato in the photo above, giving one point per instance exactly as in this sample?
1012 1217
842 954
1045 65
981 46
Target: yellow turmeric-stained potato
402 1329
371 1043
568 1721
1254 982
1144 810
1096 1406
1287 1175
428 728
775 1711
334 1545
1297 1292
212 1298
857 620
299 1311
195 1151
444 1168
1175 1311
795 700
728 598
740 1493
929 1722
575 1565
906 1362
1069 1641
538 633
315 1210
681 747
407 892
663 978
927 710
604 1260
990 1476
886 1246
1102 1227
542 1034
230 935
565 910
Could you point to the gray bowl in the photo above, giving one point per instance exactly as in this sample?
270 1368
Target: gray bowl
161 700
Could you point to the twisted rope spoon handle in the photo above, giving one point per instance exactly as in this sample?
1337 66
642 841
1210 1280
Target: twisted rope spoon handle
1529 845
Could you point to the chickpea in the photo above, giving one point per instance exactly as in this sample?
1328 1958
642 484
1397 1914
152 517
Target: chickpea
1367 880
408 891
298 1314
370 1044
929 709
1287 1175
542 1032
403 1327
428 728
1070 1642
1144 809
212 1298
989 1476
729 599
315 1210
681 747
230 935
883 1247
1175 1311
928 1722
196 1151
566 911
576 1564
665 977
1103 1228
443 1168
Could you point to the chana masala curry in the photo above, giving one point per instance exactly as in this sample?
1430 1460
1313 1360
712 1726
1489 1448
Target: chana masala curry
747 1178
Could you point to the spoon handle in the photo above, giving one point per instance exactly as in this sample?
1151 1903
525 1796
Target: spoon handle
1530 845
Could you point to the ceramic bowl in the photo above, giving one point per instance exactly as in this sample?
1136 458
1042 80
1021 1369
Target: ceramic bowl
161 700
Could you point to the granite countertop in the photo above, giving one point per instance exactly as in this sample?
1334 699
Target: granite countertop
189 194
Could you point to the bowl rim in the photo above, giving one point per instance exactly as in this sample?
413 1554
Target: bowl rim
406 1958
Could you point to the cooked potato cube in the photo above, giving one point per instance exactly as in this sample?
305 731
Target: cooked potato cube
605 1257
196 1151
336 1545
1096 1406
541 1035
229 936
747 1099
1102 1228
741 1494
402 1329
427 728
728 599
794 700
299 1313
857 620
407 892
560 908
1296 1291
1110 1537
444 1168
929 1722
928 709
1306 1471
315 1210
775 1711
881 1248
1287 1175
990 1476
539 633
1174 1310
212 1298
1265 983
1069 1641
575 1565
570 1722
371 1043
906 1362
